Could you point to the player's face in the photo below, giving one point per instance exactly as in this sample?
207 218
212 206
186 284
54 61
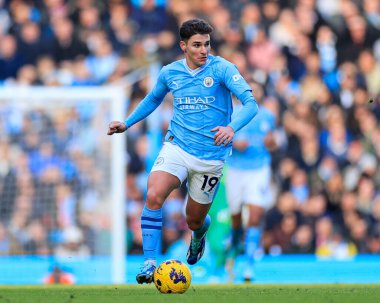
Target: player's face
196 50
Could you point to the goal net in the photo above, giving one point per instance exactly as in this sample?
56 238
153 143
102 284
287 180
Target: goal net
61 185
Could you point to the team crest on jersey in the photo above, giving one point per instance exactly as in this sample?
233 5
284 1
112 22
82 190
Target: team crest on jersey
208 82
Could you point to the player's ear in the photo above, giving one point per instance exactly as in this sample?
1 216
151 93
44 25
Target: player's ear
182 45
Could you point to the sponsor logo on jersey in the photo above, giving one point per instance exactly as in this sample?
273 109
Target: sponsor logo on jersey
208 82
197 103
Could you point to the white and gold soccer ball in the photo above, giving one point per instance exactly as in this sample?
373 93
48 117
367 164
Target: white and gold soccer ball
172 277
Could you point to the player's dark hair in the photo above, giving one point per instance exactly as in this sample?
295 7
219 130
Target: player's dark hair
192 27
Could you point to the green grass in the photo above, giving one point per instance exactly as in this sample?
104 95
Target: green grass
340 293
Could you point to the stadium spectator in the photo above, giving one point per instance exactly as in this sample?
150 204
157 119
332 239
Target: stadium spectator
149 17
330 242
37 242
303 241
11 59
5 20
8 244
72 244
103 60
120 28
262 51
67 46
32 43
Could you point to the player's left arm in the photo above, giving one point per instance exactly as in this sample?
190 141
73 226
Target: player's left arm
247 113
241 139
240 88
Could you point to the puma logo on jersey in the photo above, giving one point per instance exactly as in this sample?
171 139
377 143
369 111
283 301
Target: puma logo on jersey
175 84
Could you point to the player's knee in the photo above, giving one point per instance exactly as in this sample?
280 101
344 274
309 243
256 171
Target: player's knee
254 220
255 215
154 199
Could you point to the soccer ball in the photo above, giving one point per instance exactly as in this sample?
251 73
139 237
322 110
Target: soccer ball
172 276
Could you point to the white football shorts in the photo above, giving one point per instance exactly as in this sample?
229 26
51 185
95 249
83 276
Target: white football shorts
248 187
203 176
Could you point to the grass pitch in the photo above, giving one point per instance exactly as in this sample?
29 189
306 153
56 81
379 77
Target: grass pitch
340 293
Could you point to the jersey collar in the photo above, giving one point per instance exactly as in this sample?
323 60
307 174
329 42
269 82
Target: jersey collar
196 71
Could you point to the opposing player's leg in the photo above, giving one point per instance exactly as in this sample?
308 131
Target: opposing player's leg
160 185
168 172
198 221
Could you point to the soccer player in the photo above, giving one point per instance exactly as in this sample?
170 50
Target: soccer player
248 184
198 139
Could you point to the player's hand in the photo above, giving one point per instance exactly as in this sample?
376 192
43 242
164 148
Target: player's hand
270 142
223 135
116 127
241 145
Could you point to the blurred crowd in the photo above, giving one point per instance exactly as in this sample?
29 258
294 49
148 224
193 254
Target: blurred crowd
315 64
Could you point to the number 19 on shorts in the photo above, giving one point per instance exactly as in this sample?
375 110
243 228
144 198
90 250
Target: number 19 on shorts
209 183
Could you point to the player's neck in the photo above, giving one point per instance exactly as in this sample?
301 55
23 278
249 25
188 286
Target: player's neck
192 66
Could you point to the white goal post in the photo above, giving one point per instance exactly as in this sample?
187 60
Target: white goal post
112 100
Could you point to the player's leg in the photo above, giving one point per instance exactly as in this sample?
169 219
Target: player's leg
235 182
252 237
234 194
253 233
202 185
160 185
258 199
167 174
199 221
236 234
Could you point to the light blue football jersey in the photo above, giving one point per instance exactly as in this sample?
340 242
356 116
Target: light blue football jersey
256 155
202 101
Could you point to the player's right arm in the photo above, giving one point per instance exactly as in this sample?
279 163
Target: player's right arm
145 107
237 85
